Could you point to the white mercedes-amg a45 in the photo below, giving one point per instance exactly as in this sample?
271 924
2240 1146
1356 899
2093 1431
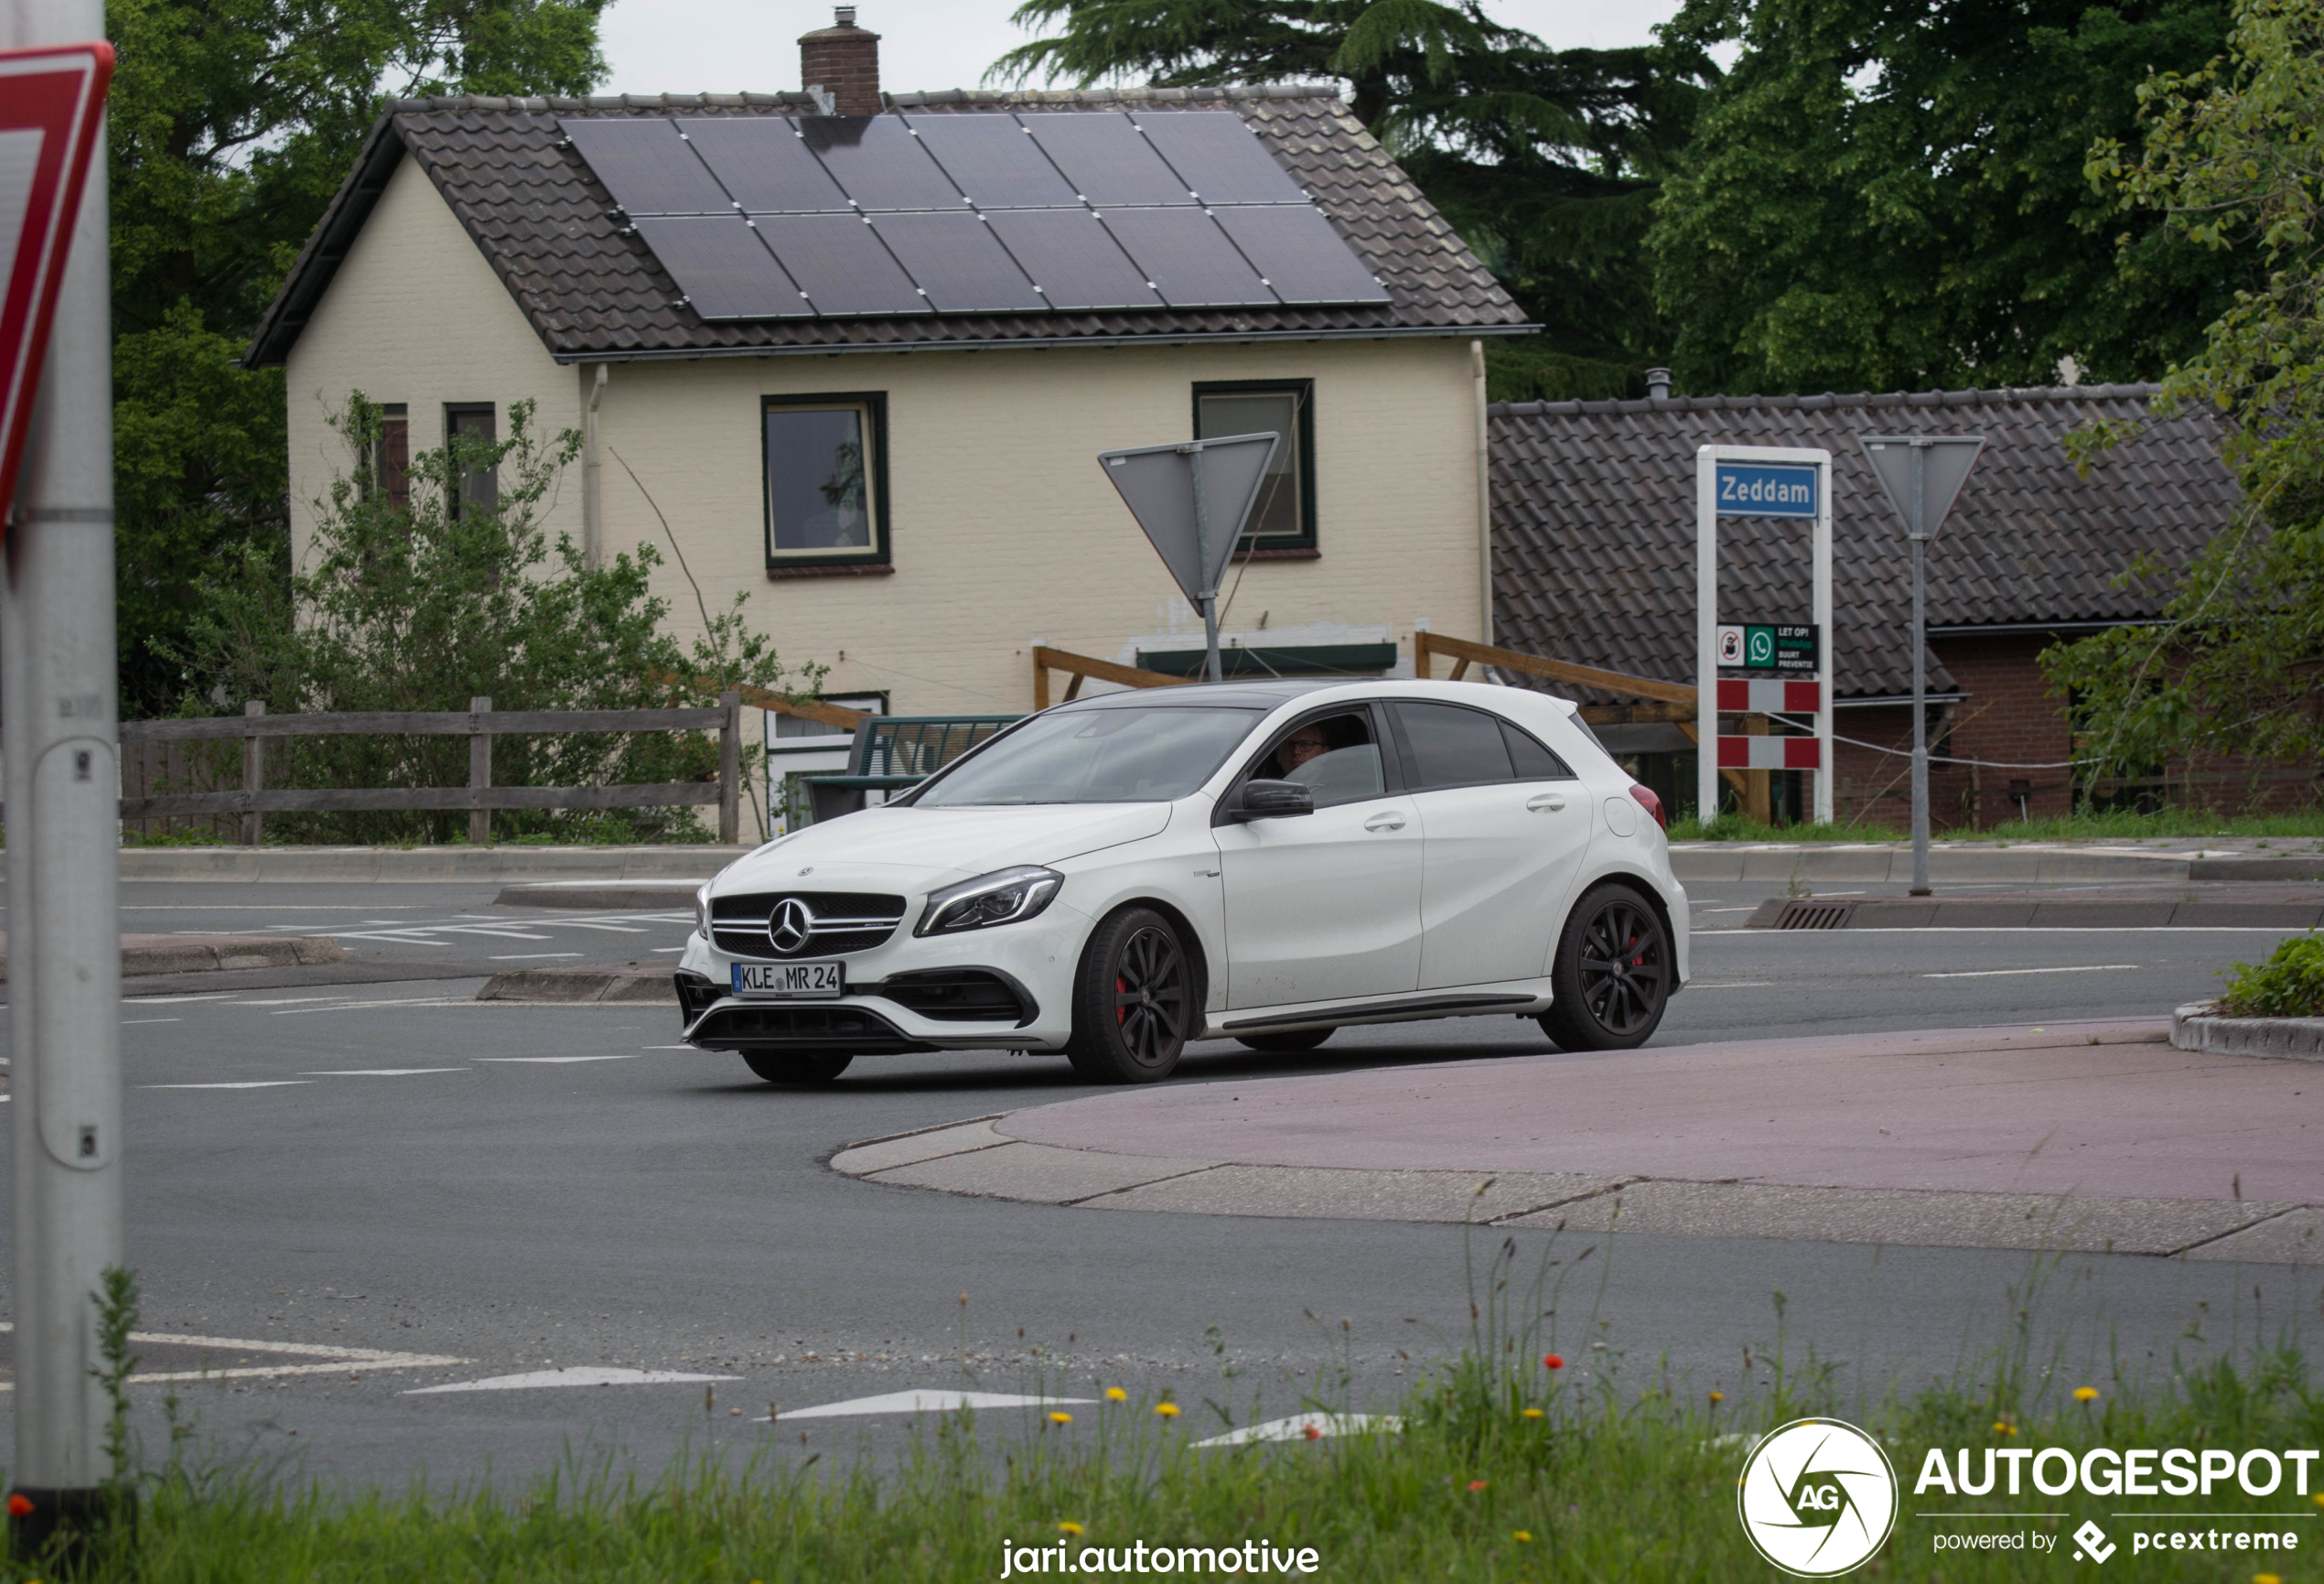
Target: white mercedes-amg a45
1265 862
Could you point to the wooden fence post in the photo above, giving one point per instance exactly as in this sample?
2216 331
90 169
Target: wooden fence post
253 770
730 768
480 775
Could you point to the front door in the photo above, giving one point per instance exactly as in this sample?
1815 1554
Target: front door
1507 827
1324 907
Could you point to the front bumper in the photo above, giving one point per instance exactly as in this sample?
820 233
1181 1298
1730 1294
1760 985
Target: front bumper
1008 987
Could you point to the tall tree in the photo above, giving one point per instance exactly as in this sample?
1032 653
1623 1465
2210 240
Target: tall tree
231 124
2231 161
1890 194
1545 161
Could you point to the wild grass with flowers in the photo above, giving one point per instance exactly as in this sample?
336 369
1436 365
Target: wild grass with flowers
1510 1460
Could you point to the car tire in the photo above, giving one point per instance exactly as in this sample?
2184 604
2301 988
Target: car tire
1287 1044
796 1066
1611 976
1133 1000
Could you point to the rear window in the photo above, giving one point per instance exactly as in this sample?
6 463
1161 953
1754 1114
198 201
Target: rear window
1449 746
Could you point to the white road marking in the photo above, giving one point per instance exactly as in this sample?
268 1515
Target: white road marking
345 1360
483 929
174 1000
533 956
658 950
557 1059
1738 985
582 1375
617 929
127 1022
2002 972
1298 1428
381 1071
295 1000
940 1402
259 1083
360 1005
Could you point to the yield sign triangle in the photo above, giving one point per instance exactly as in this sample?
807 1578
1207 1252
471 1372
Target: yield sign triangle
1943 463
1157 484
52 105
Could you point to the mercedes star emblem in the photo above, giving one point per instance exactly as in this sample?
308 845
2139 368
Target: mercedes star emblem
791 927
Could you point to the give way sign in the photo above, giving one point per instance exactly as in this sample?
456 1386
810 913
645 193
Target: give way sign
52 103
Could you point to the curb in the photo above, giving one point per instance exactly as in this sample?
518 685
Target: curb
146 954
2194 1027
692 864
582 894
608 983
2285 907
1892 861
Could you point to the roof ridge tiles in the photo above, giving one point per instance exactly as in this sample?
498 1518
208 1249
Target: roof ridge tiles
439 104
1826 401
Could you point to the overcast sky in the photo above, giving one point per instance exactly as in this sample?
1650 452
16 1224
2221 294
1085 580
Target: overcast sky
725 46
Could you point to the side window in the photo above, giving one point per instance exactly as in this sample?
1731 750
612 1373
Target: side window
473 422
826 467
1448 746
1284 516
1534 761
1337 756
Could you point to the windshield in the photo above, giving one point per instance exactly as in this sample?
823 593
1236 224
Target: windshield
1097 755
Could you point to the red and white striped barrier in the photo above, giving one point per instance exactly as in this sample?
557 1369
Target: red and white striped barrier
1769 752
1741 695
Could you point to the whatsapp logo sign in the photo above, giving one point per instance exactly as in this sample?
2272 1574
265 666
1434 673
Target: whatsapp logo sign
1817 1497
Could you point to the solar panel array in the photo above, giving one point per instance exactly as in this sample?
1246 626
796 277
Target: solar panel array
774 217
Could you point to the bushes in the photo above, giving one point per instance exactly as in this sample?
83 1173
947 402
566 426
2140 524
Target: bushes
2288 985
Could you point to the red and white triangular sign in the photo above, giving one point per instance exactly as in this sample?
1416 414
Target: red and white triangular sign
52 103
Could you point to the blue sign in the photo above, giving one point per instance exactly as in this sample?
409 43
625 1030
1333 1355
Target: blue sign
1765 489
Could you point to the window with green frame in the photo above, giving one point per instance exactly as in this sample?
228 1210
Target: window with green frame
1285 515
826 479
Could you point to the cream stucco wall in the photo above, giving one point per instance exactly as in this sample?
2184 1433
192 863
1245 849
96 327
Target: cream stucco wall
1004 529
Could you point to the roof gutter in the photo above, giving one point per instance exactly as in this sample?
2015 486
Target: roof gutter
1051 343
326 248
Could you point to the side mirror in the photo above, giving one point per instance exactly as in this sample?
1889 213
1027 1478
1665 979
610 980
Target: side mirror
1272 800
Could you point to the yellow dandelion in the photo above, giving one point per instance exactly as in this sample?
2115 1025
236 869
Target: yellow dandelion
1718 1396
2266 1579
1533 1413
1067 1526
1061 1419
2000 1427
1171 1411
1522 1536
2085 1394
1116 1395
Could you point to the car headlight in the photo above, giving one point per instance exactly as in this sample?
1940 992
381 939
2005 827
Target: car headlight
702 912
1002 897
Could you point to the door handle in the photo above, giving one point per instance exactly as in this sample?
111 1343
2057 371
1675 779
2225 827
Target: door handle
1552 802
1386 820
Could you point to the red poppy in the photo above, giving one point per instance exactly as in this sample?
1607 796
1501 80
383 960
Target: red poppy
1479 1484
20 1506
1553 1361
1314 1434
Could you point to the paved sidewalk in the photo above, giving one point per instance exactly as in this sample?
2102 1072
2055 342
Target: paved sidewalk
2093 1136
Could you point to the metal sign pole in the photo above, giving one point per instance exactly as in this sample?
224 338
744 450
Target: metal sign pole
1212 670
1916 525
1707 617
1820 595
56 721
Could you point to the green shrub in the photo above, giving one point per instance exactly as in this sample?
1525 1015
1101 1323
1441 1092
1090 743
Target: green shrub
2288 985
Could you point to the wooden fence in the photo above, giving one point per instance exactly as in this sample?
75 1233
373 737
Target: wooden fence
151 743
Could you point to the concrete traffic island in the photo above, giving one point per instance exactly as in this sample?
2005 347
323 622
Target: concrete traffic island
142 955
2229 905
2199 1027
589 985
2097 1137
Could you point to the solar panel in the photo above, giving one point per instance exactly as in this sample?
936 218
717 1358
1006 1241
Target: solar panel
879 163
721 266
1216 153
763 163
957 260
1106 158
991 160
1300 255
1073 259
647 167
1188 257
841 263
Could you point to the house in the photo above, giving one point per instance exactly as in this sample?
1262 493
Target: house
1594 562
860 350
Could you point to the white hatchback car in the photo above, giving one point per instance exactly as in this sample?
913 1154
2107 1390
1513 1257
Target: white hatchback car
1265 862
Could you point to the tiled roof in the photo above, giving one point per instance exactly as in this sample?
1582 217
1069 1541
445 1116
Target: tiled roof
1594 524
549 230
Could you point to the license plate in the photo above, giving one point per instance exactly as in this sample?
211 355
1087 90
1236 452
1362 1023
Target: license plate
807 980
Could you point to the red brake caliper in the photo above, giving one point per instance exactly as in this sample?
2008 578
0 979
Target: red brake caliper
1121 1013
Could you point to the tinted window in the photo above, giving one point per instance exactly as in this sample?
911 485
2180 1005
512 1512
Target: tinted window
1335 757
1453 746
1532 761
1096 756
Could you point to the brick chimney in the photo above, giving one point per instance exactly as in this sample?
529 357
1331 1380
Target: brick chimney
842 62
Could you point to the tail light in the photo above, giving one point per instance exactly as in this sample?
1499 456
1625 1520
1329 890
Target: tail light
1651 804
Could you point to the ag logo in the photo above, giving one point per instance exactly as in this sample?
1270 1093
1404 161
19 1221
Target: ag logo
1817 1497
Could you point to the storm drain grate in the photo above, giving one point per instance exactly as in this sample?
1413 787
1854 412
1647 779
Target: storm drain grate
1815 916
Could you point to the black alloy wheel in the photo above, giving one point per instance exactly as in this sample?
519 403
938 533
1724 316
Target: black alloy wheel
796 1067
1611 976
1287 1044
1133 1000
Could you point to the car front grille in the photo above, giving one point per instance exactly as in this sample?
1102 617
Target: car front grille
835 922
758 1026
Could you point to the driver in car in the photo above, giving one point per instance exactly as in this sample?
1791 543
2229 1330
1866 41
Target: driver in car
1305 744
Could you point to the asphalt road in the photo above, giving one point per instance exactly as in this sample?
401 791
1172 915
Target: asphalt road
395 1167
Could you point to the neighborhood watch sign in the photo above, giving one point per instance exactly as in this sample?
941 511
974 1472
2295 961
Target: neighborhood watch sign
1820 1497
